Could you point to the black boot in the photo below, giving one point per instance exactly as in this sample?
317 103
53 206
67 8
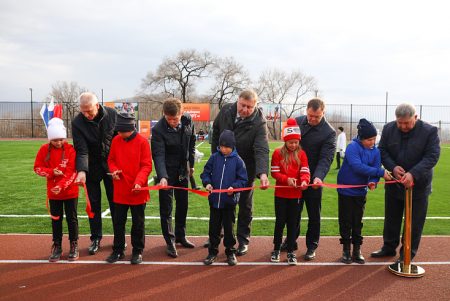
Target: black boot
73 254
56 252
357 256
346 258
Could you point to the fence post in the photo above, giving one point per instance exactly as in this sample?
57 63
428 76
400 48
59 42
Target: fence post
420 114
351 121
32 118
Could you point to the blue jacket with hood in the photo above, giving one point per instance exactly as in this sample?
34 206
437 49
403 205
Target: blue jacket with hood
361 166
223 172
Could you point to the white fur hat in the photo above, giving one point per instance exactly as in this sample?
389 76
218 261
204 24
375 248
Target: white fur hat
56 129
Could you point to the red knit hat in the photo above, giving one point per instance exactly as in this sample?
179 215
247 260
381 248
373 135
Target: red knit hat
291 130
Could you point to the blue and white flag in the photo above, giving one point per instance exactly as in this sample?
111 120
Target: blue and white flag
47 112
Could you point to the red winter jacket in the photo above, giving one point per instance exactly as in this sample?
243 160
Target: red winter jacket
134 159
47 159
281 173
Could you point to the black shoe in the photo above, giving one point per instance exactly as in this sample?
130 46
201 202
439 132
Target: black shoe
231 259
56 253
275 256
242 250
172 250
383 253
115 256
310 255
357 256
210 259
94 247
136 258
283 247
73 254
291 258
185 243
206 244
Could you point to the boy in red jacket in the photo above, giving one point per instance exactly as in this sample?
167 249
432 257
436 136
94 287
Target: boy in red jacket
289 168
56 161
130 163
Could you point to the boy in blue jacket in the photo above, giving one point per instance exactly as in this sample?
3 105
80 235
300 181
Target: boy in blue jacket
225 169
362 166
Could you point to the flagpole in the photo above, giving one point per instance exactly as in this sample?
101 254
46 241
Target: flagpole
32 121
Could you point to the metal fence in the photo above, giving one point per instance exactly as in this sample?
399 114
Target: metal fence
23 120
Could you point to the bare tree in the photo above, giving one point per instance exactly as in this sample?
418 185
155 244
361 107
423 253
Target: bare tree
229 79
287 90
67 94
176 76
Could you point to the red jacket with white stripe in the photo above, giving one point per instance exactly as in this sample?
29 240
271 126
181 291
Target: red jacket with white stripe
47 159
133 158
280 172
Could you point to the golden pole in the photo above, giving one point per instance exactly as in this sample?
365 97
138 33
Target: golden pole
405 268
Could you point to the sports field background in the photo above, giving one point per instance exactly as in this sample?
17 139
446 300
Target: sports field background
24 193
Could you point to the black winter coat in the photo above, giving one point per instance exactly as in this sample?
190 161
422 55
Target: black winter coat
92 141
251 138
319 143
416 151
171 149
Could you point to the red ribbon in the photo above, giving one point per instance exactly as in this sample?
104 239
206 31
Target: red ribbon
49 213
88 202
206 193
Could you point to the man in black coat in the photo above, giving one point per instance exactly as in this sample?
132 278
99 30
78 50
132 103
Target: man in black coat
173 149
319 143
410 149
250 130
92 132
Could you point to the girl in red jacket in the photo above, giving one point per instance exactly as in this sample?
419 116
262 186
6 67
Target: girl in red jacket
56 161
130 163
289 168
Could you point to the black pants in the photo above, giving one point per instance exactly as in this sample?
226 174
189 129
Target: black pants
313 202
95 196
338 160
245 215
287 212
137 227
217 218
165 210
393 217
70 207
351 211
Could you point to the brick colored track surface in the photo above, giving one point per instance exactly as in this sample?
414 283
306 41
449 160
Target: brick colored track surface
25 273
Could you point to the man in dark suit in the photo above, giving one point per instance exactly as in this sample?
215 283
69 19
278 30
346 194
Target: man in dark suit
410 149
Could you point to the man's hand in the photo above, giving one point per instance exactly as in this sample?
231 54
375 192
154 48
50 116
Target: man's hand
81 177
398 172
56 190
371 185
264 181
407 180
163 182
387 175
115 174
209 188
230 191
316 183
292 182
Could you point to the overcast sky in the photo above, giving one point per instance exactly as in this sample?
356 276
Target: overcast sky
357 50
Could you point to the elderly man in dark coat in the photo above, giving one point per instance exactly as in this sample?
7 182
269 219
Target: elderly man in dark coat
92 132
250 129
410 149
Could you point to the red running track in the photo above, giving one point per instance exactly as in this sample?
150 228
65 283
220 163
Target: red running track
25 273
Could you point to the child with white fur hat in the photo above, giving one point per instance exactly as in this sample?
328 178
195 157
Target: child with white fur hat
56 162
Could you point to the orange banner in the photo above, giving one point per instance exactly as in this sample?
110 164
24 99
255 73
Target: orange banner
145 128
198 111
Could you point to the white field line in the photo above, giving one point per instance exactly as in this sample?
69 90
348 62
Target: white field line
200 218
181 263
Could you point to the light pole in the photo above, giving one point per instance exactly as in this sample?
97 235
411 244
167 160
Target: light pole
31 106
